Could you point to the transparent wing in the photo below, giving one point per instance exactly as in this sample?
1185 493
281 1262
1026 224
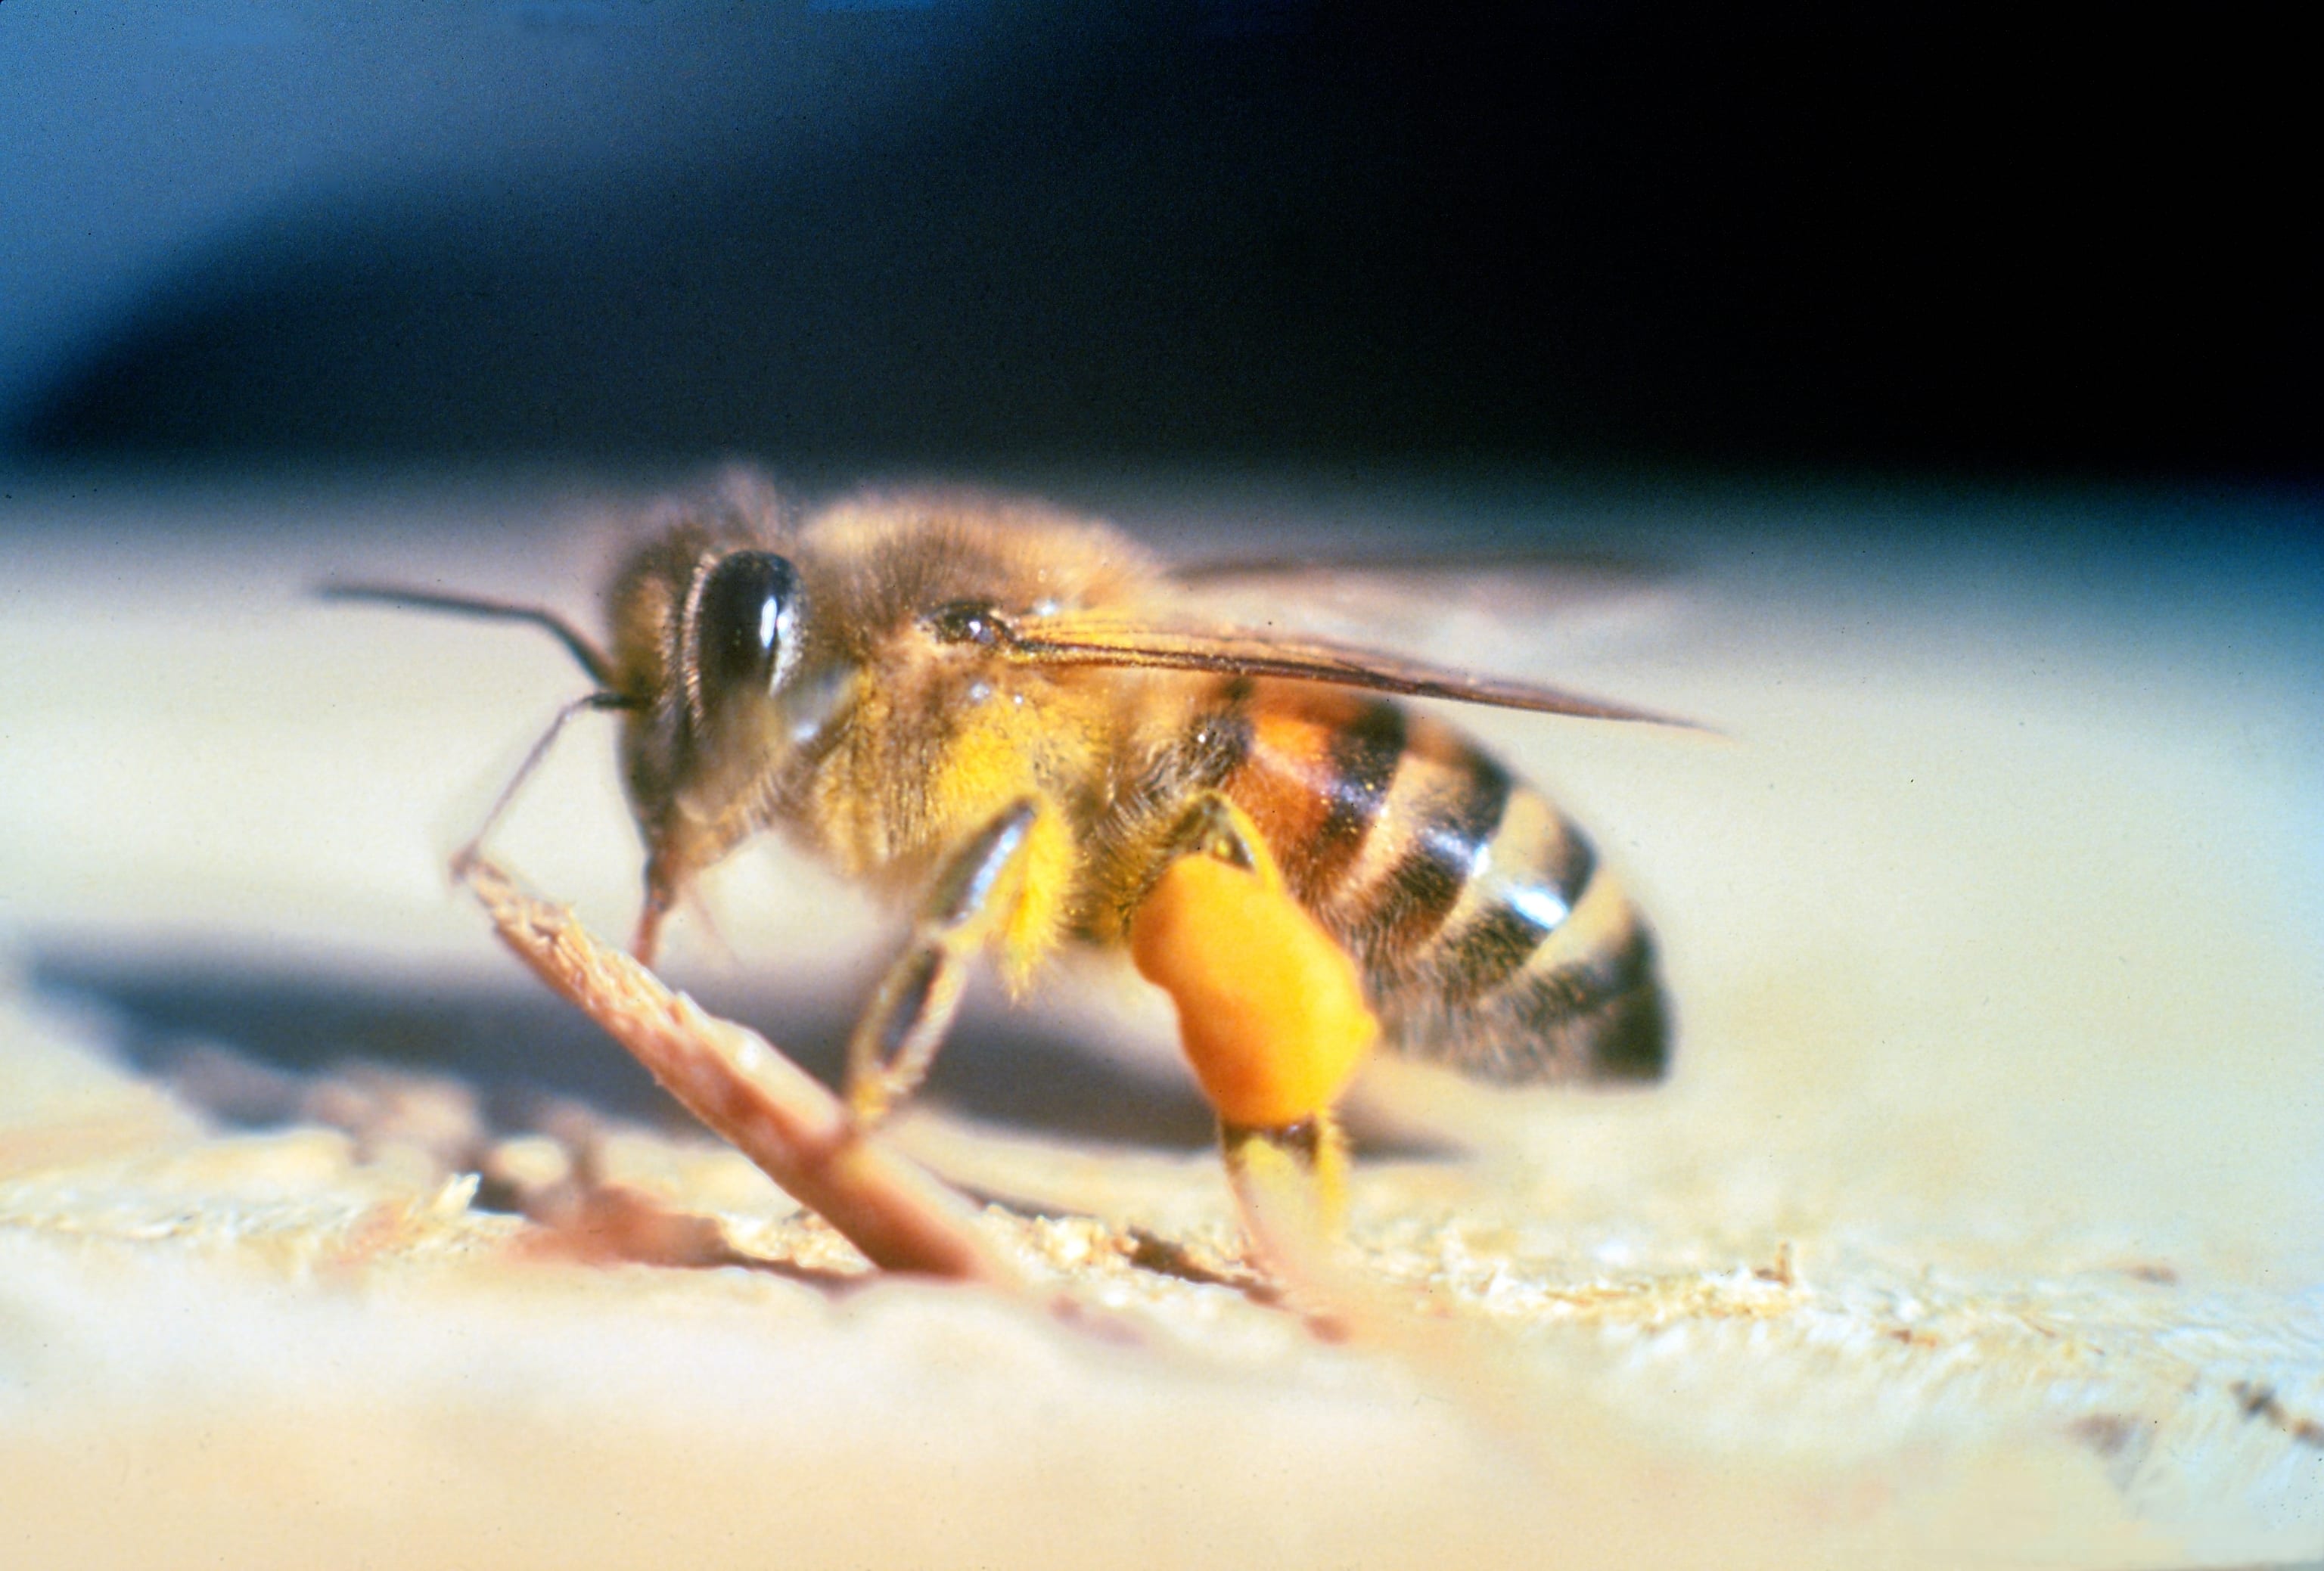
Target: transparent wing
1573 571
1444 605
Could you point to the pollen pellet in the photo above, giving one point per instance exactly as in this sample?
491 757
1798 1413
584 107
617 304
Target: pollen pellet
1270 1011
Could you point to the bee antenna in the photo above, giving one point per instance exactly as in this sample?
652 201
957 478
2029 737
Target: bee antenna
467 856
592 658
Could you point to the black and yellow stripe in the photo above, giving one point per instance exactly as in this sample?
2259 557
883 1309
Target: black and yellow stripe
1488 934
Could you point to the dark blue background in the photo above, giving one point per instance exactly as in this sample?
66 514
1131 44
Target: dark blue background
838 236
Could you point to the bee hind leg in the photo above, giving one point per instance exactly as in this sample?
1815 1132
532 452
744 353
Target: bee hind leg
1271 1011
1296 1172
967 905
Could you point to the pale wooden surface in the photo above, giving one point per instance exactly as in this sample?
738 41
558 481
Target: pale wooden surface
1981 1218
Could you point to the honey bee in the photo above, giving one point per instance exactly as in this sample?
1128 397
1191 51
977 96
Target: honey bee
1006 719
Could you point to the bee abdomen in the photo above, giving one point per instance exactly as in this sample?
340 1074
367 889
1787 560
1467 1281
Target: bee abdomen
1509 1001
1489 935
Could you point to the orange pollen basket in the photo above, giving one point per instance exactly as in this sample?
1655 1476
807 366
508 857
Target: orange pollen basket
1271 1012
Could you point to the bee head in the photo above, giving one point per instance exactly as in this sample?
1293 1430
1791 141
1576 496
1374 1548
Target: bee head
708 636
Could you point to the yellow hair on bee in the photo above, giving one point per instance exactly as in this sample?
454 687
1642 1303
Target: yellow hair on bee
1001 751
1037 922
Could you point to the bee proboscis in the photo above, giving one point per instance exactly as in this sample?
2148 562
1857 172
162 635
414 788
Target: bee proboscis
1009 720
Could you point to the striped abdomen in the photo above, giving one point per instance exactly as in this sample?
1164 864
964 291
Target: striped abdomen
1489 935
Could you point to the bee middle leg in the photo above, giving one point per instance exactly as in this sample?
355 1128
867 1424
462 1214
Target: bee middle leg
1271 1009
896 1040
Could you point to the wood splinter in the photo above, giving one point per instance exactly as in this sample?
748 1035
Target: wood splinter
734 1081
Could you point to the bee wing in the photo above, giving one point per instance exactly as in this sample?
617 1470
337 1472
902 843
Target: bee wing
1116 641
1439 604
1576 572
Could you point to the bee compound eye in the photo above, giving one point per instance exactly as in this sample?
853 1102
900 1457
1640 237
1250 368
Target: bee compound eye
743 623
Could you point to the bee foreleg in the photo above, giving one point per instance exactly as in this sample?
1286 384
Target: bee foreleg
1271 1009
971 899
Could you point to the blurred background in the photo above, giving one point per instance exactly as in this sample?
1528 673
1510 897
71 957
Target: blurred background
847 236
